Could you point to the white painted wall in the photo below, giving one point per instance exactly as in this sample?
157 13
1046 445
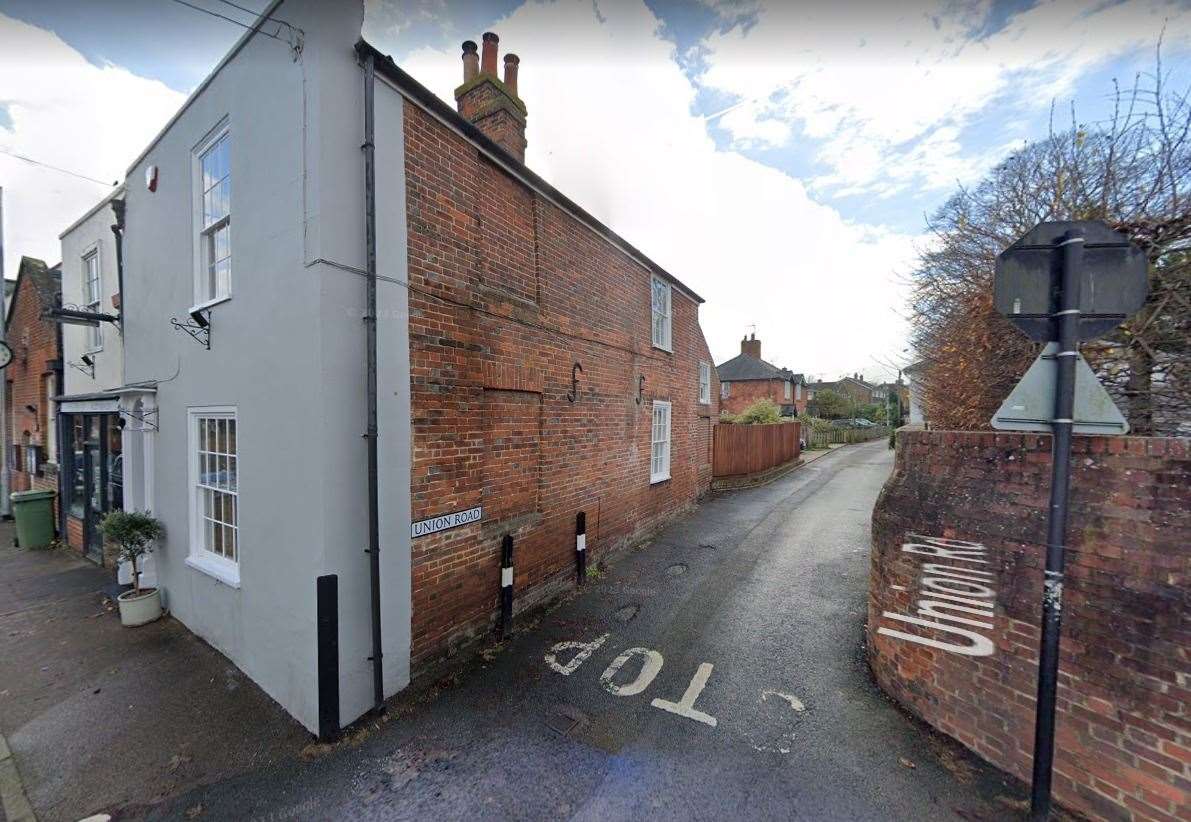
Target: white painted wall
288 351
92 232
917 417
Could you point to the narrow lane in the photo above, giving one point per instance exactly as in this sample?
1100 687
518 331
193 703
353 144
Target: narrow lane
717 673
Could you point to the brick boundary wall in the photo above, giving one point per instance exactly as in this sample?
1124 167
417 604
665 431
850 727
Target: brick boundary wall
964 514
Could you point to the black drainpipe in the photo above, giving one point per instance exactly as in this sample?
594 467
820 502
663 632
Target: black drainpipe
118 231
370 337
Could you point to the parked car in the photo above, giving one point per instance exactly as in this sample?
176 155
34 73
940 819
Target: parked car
857 422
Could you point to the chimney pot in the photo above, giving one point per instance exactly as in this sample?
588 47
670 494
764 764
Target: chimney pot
488 58
471 60
511 63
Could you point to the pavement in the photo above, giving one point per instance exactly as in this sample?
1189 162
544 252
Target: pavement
98 716
717 672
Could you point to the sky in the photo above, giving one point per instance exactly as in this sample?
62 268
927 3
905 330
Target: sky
780 158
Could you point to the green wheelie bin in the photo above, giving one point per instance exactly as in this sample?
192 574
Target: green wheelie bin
34 515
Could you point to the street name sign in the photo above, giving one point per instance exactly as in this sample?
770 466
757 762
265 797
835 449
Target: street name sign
1112 280
433 525
1031 404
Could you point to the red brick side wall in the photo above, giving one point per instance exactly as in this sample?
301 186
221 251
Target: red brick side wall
743 394
34 343
1123 730
506 293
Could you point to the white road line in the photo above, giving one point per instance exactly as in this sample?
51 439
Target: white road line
649 669
686 706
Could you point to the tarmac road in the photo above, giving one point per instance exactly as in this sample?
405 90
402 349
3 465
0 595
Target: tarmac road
747 695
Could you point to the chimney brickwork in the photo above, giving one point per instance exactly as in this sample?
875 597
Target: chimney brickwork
489 103
751 346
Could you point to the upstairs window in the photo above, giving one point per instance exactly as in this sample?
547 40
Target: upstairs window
704 383
725 390
659 465
788 389
661 311
213 279
798 391
92 291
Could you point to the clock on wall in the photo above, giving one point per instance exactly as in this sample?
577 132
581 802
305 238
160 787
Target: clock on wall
5 354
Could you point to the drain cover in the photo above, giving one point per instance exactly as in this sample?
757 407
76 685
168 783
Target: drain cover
676 570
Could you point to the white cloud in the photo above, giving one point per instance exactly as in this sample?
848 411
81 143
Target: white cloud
889 88
68 113
610 124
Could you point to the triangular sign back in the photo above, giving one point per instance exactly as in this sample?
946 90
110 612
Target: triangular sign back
1031 404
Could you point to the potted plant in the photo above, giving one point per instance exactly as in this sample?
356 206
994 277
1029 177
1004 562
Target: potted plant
135 533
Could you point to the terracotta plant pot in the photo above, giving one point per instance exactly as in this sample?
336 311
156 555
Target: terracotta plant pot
139 609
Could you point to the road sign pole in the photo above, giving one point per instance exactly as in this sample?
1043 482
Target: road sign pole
1071 248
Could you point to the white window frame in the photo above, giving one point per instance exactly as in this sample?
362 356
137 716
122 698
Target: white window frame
788 389
203 296
725 390
659 458
92 334
662 337
797 390
704 383
224 569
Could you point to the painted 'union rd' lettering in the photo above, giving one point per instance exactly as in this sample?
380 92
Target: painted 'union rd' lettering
970 587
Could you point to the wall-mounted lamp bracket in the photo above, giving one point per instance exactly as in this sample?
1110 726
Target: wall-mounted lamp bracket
87 366
199 327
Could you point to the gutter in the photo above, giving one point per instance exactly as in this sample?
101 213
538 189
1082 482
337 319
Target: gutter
118 231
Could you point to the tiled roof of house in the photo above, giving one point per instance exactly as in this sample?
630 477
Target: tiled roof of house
46 281
744 367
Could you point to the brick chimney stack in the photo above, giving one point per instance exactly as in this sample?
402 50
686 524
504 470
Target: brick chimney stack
751 346
487 102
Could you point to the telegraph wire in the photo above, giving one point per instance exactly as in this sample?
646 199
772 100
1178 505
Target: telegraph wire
232 19
60 170
247 10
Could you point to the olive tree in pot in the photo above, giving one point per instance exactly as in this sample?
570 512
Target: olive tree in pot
135 533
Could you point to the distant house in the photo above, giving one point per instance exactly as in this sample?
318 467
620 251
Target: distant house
854 388
33 378
898 389
746 378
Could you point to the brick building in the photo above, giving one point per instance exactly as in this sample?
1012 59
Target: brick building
853 388
530 365
746 378
543 358
33 378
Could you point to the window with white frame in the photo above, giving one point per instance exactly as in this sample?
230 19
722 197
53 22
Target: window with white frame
214 504
798 391
661 312
789 389
725 390
705 383
659 465
92 295
213 279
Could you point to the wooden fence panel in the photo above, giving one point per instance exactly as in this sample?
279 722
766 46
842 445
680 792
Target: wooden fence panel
738 450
